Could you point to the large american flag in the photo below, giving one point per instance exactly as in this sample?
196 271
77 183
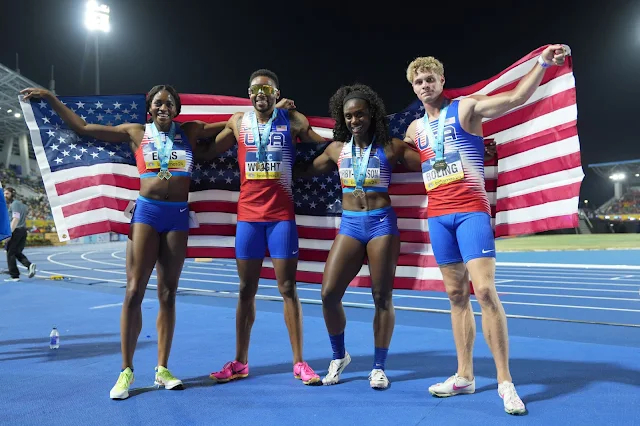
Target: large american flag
533 187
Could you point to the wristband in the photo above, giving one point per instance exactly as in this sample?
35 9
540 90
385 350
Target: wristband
542 62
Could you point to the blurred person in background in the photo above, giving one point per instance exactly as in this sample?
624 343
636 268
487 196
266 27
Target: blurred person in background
15 244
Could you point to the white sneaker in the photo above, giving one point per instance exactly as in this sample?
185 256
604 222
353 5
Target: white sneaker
512 402
378 379
121 388
32 270
336 367
454 385
12 279
166 379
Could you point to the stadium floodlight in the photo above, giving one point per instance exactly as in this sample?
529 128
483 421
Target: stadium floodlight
9 111
96 19
617 176
17 115
637 174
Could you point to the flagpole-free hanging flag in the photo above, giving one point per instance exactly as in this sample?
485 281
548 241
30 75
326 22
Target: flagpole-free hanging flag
534 186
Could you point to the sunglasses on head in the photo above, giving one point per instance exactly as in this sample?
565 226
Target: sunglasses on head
264 88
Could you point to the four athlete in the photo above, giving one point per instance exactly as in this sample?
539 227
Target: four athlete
450 153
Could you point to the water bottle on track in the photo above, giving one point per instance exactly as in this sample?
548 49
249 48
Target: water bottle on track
54 339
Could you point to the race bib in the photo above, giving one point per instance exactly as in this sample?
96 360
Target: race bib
128 212
177 159
271 168
434 178
372 178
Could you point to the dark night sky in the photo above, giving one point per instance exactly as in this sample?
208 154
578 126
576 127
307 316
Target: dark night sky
210 48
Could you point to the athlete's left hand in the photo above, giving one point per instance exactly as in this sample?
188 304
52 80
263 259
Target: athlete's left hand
490 149
285 103
556 54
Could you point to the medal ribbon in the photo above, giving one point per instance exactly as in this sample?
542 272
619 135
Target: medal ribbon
164 144
360 165
262 140
437 144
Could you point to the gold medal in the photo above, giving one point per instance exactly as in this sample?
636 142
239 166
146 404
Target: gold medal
358 193
440 165
164 174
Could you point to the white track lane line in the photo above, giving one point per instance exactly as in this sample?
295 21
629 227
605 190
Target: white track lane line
599 308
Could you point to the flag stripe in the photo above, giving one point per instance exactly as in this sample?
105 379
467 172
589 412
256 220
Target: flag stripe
540 183
538 197
560 75
73 185
116 204
531 227
535 212
543 168
538 140
541 108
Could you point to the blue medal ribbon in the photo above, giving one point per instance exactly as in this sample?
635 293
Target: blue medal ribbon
164 145
360 166
262 141
437 143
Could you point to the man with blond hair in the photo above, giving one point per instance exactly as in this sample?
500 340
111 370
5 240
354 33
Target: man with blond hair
450 140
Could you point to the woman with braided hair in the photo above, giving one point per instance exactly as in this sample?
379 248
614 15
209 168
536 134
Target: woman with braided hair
365 155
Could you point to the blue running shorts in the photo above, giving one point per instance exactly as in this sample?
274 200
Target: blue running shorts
163 216
367 225
461 237
253 238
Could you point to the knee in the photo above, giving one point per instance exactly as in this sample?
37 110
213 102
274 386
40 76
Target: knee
382 299
484 288
330 297
247 291
486 295
288 289
167 295
459 296
134 294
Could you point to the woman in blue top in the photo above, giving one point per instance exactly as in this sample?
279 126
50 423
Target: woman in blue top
365 155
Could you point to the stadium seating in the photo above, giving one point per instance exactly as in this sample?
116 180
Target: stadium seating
629 203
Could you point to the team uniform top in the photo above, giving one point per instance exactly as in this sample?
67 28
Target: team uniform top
378 174
180 160
266 194
460 187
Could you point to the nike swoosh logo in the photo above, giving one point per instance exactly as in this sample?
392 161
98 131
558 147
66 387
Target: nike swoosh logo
181 210
456 388
382 220
486 251
295 252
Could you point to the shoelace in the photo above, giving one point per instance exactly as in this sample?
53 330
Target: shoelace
334 367
377 375
511 396
228 365
305 368
454 378
124 380
166 375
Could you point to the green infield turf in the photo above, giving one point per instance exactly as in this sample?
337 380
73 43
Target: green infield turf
569 242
